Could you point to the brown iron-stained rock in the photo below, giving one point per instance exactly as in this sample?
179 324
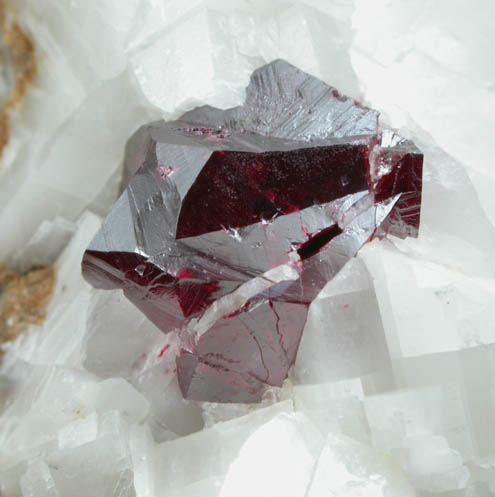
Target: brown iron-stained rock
23 299
17 67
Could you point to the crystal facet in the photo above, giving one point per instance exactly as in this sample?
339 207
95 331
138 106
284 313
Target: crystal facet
232 222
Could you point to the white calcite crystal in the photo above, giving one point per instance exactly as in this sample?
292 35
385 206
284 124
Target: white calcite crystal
347 468
327 352
393 391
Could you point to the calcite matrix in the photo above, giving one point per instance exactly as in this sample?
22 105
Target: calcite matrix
232 221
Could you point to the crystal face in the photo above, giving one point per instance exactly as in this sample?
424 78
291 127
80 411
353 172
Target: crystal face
232 222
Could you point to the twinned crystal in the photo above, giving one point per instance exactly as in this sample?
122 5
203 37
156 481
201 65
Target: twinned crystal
232 221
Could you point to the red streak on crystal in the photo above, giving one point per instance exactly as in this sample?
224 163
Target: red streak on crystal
185 273
194 296
160 355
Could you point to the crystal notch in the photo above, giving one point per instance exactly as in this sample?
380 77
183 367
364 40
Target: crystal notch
232 221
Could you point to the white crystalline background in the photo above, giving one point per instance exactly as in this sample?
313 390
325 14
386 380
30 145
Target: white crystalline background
393 392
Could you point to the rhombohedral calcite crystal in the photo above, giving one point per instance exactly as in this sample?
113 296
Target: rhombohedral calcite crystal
233 221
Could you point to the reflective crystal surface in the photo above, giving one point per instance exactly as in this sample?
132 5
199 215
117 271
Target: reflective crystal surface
232 221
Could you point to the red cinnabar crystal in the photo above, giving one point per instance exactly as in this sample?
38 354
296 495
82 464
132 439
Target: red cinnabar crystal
231 222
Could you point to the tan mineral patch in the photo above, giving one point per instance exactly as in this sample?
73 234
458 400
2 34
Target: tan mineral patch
23 299
21 56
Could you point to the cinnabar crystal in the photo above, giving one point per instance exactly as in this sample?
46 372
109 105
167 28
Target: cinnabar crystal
231 222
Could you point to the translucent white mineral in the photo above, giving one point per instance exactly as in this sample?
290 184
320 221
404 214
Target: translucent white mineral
347 468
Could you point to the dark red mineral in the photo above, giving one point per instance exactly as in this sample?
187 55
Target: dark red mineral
232 222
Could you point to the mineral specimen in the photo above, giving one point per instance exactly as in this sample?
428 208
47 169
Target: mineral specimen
233 221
